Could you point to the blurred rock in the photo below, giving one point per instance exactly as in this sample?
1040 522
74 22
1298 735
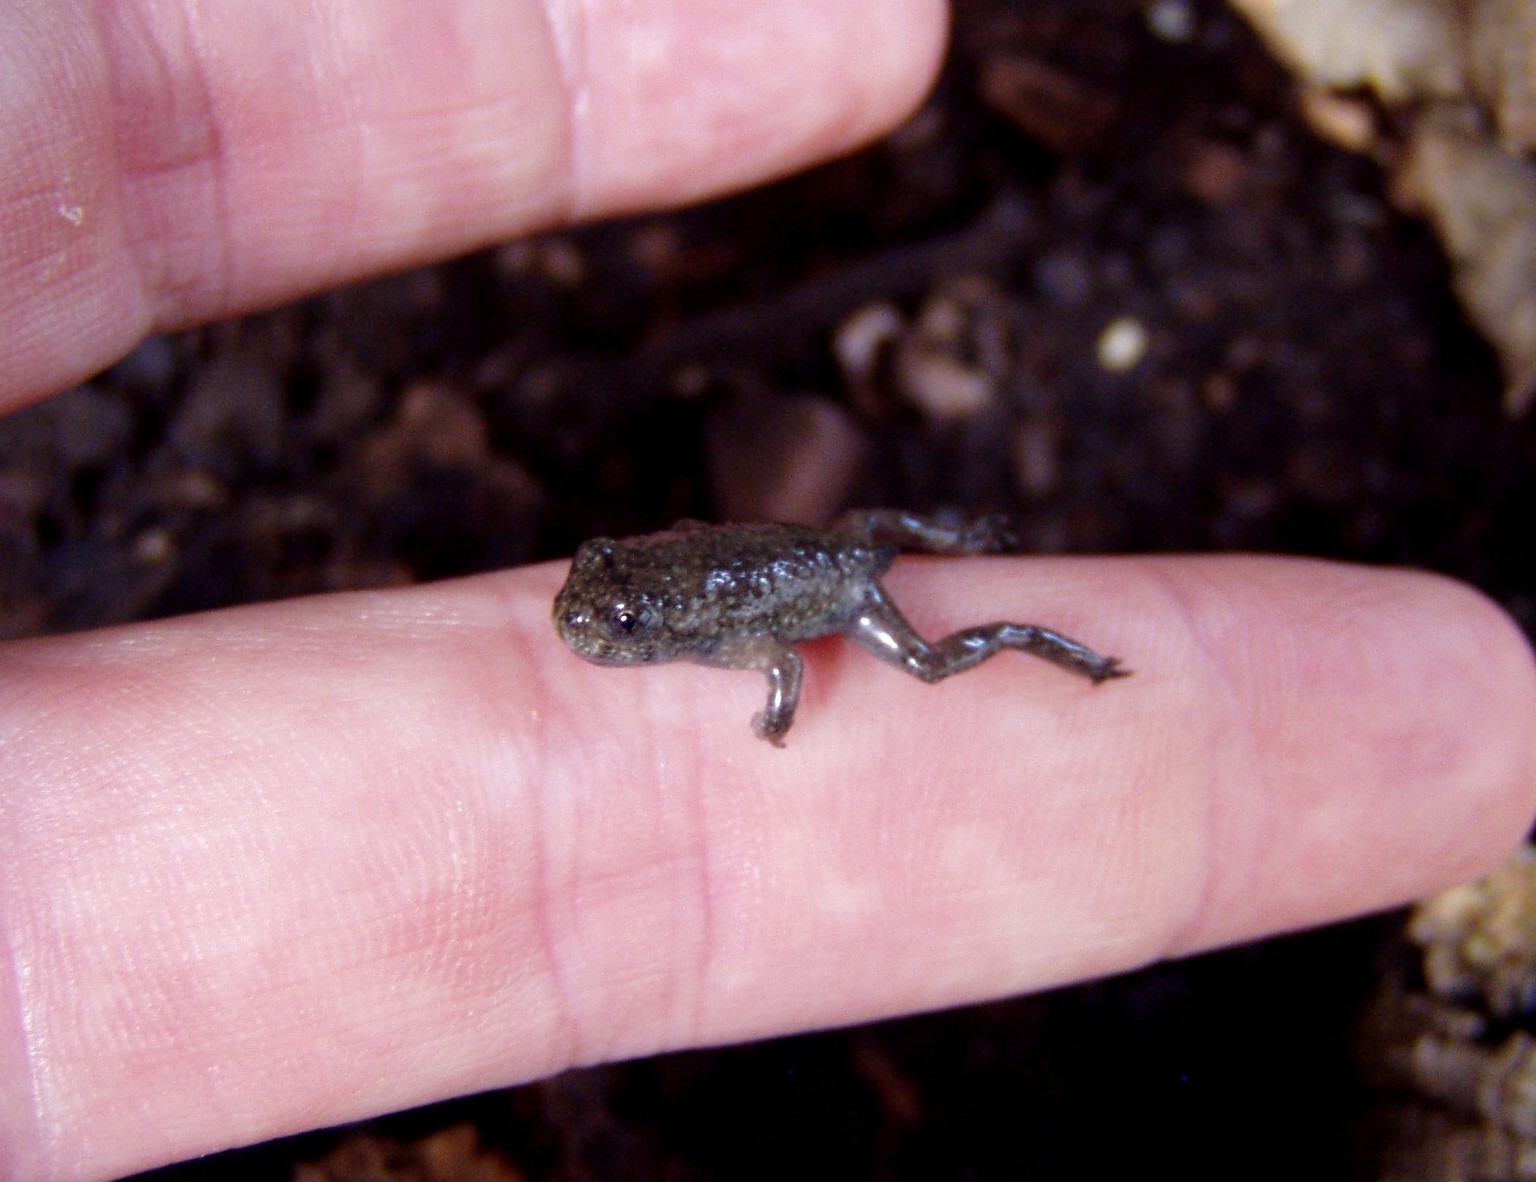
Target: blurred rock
777 458
1066 113
1402 49
453 1154
1122 344
434 494
233 419
1482 202
1501 51
1036 458
1463 1039
863 345
957 352
1479 940
150 366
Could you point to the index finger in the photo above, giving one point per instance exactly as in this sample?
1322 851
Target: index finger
411 834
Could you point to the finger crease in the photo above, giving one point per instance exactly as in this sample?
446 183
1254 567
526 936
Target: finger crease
567 25
171 160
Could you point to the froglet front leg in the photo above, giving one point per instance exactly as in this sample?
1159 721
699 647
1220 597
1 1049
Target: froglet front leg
783 668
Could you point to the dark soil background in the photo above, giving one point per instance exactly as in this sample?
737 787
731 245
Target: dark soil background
1293 375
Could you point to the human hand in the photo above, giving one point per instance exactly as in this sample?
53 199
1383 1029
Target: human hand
290 865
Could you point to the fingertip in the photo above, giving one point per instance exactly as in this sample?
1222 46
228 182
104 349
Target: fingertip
1458 722
1485 651
1386 720
687 100
904 60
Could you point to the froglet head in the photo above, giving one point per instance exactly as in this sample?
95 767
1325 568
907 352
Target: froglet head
602 616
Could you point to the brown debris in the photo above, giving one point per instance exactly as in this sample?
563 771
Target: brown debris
1063 111
449 1155
1482 202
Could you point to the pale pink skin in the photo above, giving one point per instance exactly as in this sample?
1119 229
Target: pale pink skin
284 866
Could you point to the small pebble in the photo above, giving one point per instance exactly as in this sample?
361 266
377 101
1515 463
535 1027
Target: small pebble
1122 344
1171 20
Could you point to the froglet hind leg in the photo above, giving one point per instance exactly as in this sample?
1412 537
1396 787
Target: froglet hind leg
908 531
881 628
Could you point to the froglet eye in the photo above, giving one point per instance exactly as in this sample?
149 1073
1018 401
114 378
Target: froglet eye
624 620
